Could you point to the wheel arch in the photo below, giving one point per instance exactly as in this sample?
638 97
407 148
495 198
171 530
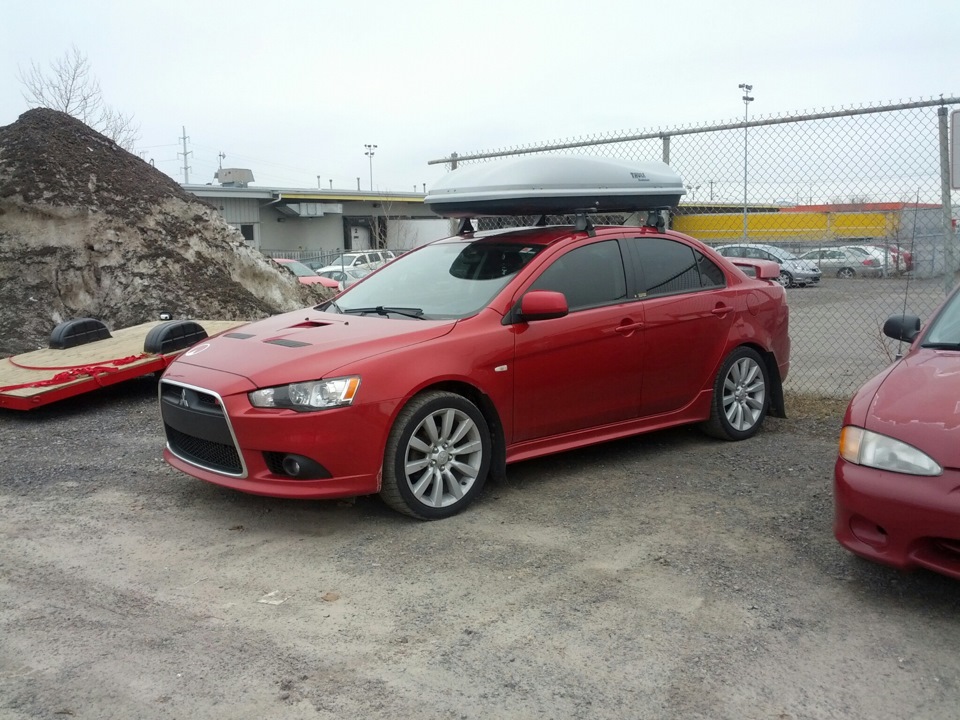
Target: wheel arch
777 404
498 460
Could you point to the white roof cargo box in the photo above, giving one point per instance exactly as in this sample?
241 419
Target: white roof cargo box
556 185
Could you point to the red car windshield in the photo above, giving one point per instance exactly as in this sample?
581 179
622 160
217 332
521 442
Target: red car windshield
945 329
446 280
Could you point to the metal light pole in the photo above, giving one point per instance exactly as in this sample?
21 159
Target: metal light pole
746 101
693 191
369 154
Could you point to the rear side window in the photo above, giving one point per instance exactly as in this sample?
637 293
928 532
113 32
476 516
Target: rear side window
588 276
666 267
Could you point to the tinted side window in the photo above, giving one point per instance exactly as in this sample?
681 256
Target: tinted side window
667 266
588 276
710 274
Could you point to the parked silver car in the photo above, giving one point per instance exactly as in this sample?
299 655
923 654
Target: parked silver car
793 270
845 262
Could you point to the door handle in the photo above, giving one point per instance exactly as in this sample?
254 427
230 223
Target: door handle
722 310
628 328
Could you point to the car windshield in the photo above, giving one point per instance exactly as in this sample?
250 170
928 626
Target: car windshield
299 269
343 260
445 280
781 253
945 329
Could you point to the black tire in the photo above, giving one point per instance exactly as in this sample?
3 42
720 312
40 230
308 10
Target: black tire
741 396
846 273
785 279
437 456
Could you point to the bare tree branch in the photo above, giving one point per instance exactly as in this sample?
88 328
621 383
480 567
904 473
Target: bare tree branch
68 85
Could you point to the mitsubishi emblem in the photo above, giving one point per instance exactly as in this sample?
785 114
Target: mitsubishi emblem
183 398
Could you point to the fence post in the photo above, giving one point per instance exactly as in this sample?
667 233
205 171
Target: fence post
666 149
950 275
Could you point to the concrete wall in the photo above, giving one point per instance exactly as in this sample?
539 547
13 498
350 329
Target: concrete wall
410 233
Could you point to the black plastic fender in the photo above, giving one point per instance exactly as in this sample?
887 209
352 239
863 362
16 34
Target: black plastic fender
80 331
173 335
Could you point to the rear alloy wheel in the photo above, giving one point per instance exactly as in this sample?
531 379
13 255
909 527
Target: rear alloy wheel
846 273
785 279
740 398
437 456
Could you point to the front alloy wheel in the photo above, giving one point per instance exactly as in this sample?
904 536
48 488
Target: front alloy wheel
785 279
437 456
740 398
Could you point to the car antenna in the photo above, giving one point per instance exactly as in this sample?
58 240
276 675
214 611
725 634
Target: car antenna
906 287
465 227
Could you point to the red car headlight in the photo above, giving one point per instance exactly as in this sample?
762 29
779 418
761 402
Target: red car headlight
308 396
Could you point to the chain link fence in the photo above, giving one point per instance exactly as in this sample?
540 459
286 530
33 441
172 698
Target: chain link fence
818 185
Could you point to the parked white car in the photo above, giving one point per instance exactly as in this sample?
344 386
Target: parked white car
370 259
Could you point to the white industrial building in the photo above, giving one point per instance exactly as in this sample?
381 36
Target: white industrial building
313 222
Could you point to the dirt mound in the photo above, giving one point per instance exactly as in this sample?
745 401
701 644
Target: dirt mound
90 230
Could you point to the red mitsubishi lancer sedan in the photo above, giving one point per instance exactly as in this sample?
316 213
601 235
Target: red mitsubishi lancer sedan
897 477
433 373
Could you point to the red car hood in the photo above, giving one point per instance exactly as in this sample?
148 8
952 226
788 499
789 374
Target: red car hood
305 345
919 403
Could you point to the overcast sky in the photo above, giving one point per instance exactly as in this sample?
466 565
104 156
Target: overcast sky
295 89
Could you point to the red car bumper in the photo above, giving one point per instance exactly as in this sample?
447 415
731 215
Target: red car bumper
343 448
900 520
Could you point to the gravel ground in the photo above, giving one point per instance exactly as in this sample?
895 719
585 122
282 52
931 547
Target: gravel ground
668 576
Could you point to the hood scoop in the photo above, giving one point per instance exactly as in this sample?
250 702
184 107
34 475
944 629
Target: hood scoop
307 324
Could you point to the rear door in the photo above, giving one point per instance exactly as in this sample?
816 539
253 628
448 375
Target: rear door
688 314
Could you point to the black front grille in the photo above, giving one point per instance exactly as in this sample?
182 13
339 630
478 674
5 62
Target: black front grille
197 428
211 455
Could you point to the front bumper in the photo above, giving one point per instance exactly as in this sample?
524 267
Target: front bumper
805 277
900 520
224 440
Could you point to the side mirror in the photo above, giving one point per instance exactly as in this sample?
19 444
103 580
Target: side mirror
902 327
543 305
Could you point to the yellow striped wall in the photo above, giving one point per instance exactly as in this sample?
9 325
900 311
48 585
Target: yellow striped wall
792 226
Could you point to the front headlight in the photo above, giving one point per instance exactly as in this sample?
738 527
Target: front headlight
884 453
308 396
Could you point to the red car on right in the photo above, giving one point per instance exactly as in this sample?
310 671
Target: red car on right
897 477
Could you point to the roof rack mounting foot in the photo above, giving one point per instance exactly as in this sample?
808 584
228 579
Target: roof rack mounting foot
582 222
540 221
465 226
655 220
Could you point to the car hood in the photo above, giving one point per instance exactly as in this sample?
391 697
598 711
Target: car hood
918 402
801 264
306 344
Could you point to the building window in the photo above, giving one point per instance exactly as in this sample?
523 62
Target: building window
247 232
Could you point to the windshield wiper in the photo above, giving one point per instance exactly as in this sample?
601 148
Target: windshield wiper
387 310
941 346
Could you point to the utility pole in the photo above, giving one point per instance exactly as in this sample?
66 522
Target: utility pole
746 100
221 156
186 168
369 154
